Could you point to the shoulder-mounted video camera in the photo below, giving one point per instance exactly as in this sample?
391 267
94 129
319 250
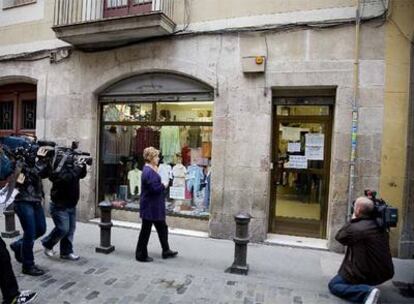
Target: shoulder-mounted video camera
71 156
385 216
26 149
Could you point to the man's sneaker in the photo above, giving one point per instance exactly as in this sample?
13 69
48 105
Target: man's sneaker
15 248
70 257
33 271
373 296
49 252
26 296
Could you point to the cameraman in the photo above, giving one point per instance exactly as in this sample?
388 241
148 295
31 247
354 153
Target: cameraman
8 283
29 209
64 198
367 261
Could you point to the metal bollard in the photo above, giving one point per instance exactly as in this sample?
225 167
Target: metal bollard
11 231
241 240
105 225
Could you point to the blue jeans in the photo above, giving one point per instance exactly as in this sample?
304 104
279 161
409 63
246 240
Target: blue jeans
65 225
352 292
32 219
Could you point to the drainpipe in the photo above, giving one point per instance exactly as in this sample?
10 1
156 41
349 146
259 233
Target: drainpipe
354 129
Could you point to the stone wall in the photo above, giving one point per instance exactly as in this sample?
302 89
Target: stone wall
68 108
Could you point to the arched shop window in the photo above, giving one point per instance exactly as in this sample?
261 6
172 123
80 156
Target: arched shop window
17 109
171 112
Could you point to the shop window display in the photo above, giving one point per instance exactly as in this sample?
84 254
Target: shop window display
183 134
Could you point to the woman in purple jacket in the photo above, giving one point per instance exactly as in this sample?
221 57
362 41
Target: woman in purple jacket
152 208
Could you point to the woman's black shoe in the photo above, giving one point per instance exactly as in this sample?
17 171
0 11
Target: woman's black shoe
169 254
145 260
33 271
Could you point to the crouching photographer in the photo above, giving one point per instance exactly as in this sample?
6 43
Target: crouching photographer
32 164
368 260
69 167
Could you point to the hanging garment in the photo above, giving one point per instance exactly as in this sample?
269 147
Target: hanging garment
206 149
196 157
110 146
134 179
170 142
165 172
146 137
179 173
194 137
195 177
206 134
186 155
183 137
207 191
124 141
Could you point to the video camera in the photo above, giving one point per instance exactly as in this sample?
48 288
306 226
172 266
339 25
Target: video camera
26 149
71 156
385 215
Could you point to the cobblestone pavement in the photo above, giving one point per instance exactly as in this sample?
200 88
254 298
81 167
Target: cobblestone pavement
278 274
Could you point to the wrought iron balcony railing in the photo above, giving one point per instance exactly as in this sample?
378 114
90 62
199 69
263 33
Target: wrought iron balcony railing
68 12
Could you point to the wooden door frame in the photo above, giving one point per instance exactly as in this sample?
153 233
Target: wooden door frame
328 121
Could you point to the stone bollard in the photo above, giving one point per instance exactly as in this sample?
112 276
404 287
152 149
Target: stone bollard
11 231
105 225
241 240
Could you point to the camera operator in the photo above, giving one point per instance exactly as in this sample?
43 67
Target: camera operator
64 198
29 209
367 261
8 283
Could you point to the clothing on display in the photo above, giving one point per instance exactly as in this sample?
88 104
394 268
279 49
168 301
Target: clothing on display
134 178
207 191
194 137
186 152
165 171
179 173
186 155
146 137
183 136
170 142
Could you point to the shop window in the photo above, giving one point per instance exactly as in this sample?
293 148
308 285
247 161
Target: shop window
182 131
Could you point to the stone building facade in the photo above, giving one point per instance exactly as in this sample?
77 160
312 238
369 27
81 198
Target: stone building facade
311 65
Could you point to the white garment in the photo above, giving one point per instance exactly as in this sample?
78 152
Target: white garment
134 178
179 172
165 172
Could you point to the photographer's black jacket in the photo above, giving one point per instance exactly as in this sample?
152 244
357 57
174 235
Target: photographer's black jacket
65 185
32 189
368 258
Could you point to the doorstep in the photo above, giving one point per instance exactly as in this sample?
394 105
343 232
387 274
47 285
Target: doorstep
296 241
171 230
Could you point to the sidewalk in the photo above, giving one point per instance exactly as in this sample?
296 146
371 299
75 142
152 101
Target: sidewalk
277 274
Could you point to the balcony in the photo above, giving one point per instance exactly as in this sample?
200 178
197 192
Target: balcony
101 24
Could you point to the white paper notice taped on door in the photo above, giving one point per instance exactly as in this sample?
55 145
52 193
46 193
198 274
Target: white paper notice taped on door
315 139
294 147
297 162
314 152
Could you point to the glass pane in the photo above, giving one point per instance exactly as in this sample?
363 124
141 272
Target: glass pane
303 110
186 162
127 112
185 111
299 178
6 115
29 114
